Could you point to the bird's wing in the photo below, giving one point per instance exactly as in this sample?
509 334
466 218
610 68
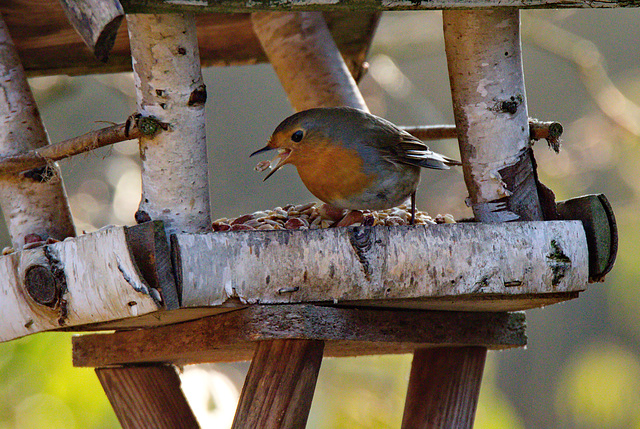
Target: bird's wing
407 149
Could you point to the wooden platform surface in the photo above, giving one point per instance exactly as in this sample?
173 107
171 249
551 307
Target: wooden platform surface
232 336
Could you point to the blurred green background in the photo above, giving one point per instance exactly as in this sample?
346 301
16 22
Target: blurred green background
581 368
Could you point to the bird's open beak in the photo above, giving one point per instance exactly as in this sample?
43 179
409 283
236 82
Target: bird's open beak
264 149
282 156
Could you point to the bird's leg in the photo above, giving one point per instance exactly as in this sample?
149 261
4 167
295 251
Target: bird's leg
413 208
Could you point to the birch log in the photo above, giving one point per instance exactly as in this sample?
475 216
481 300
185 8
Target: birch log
33 204
91 279
169 87
96 21
306 59
490 108
453 267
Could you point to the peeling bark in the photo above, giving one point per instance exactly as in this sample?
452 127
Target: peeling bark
489 101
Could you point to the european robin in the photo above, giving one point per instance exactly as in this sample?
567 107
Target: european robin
351 159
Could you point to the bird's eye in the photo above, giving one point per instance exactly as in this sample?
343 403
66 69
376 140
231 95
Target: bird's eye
297 136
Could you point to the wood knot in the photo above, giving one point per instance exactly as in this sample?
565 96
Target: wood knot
42 286
199 96
361 239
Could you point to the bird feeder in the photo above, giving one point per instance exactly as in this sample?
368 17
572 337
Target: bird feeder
284 299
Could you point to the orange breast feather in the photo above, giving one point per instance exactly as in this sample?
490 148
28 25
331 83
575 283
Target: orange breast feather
332 172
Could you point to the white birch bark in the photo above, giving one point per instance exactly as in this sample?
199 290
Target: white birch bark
306 59
465 266
100 282
490 107
169 87
35 203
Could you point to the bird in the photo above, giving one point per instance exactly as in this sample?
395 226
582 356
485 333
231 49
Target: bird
351 159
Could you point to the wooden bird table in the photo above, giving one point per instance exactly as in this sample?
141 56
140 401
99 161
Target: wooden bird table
336 292
285 299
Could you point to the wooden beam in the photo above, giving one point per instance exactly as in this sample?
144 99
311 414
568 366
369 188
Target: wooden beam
207 6
279 385
232 336
224 39
147 396
444 393
464 266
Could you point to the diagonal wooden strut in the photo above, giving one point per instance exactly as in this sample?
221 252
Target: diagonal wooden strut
147 396
279 386
444 386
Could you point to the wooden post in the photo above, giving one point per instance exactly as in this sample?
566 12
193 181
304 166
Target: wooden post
145 396
34 203
169 87
489 102
279 386
442 373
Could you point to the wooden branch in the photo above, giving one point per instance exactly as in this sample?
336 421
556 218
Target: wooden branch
279 385
432 132
232 336
149 126
34 205
93 278
305 57
134 128
491 113
549 130
96 21
147 397
444 394
164 6
169 87
393 266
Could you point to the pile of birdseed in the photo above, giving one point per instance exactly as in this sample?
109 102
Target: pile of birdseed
316 215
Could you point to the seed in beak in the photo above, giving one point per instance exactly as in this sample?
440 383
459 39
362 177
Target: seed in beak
283 155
